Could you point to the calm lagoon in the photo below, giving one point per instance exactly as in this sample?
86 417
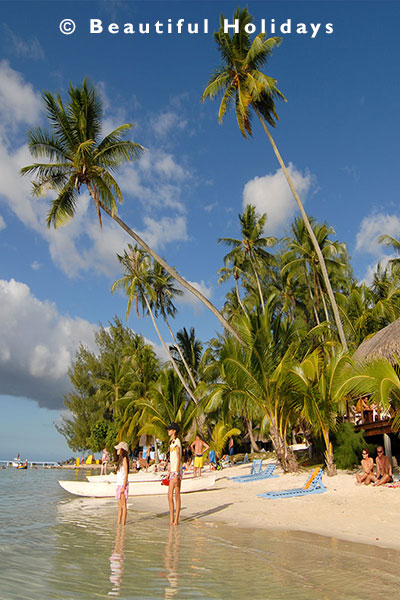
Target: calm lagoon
55 546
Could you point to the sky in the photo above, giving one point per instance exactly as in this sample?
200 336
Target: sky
338 67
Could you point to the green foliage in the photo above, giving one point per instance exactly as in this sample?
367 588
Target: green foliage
97 439
348 446
101 381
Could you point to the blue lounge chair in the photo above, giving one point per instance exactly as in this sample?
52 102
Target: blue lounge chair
256 469
313 485
268 473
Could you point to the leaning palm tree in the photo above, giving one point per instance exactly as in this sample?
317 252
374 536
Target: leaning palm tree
77 156
137 283
242 84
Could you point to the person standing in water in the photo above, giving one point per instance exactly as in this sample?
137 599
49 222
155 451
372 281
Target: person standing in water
174 473
199 446
104 461
122 490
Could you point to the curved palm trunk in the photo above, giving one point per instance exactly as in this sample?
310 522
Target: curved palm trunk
329 459
172 272
175 366
321 291
238 296
311 233
284 454
253 442
189 372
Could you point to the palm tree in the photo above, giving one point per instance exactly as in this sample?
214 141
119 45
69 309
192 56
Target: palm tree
166 402
253 379
79 157
220 435
301 261
165 292
250 249
190 351
243 85
137 283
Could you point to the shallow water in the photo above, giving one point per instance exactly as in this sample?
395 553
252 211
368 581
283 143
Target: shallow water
54 546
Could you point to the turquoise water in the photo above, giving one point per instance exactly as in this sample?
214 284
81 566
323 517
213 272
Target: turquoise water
54 546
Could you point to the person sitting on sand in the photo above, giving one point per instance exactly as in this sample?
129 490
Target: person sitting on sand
383 468
198 447
367 464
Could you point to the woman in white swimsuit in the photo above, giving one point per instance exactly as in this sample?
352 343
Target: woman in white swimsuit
174 473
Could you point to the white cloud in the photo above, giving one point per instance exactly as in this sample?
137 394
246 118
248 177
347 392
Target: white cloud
35 265
27 48
371 228
19 103
190 299
38 345
159 232
271 194
167 122
2 223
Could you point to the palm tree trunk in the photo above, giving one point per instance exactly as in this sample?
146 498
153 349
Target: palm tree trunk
189 372
175 366
284 454
173 272
311 233
253 442
238 296
258 283
329 459
323 299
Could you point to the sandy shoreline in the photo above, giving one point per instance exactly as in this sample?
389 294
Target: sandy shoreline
363 514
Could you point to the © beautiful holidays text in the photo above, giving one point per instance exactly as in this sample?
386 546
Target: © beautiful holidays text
182 26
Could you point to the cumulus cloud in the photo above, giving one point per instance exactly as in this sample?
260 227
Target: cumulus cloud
2 223
37 345
167 122
19 103
371 228
189 299
271 194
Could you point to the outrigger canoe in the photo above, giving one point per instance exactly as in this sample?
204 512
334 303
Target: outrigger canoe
106 489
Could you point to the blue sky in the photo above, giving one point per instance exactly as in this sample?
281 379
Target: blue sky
339 132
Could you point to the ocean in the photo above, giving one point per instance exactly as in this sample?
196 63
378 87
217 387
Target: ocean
55 546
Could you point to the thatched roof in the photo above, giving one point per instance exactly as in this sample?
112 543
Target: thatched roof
384 344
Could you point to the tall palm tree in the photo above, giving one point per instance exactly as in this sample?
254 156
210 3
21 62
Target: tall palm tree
137 284
165 292
301 261
251 248
190 350
79 157
242 84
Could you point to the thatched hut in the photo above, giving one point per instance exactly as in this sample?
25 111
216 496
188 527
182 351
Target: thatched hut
384 344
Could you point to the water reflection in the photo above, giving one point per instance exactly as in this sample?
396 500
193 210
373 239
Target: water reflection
117 561
172 563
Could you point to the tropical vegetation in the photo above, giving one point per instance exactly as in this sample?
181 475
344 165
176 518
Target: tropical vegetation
281 370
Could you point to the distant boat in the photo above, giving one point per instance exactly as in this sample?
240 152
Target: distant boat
106 489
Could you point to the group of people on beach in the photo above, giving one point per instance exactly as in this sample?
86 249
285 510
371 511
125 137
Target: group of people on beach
174 472
383 473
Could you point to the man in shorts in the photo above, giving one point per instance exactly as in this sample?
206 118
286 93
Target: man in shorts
198 447
383 468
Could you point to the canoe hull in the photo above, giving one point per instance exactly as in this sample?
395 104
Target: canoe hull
139 488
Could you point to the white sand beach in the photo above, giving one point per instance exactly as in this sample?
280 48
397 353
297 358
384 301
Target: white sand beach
347 511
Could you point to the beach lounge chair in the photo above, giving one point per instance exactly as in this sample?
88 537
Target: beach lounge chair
313 485
256 468
267 473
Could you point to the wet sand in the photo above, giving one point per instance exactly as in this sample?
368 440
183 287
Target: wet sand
346 511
